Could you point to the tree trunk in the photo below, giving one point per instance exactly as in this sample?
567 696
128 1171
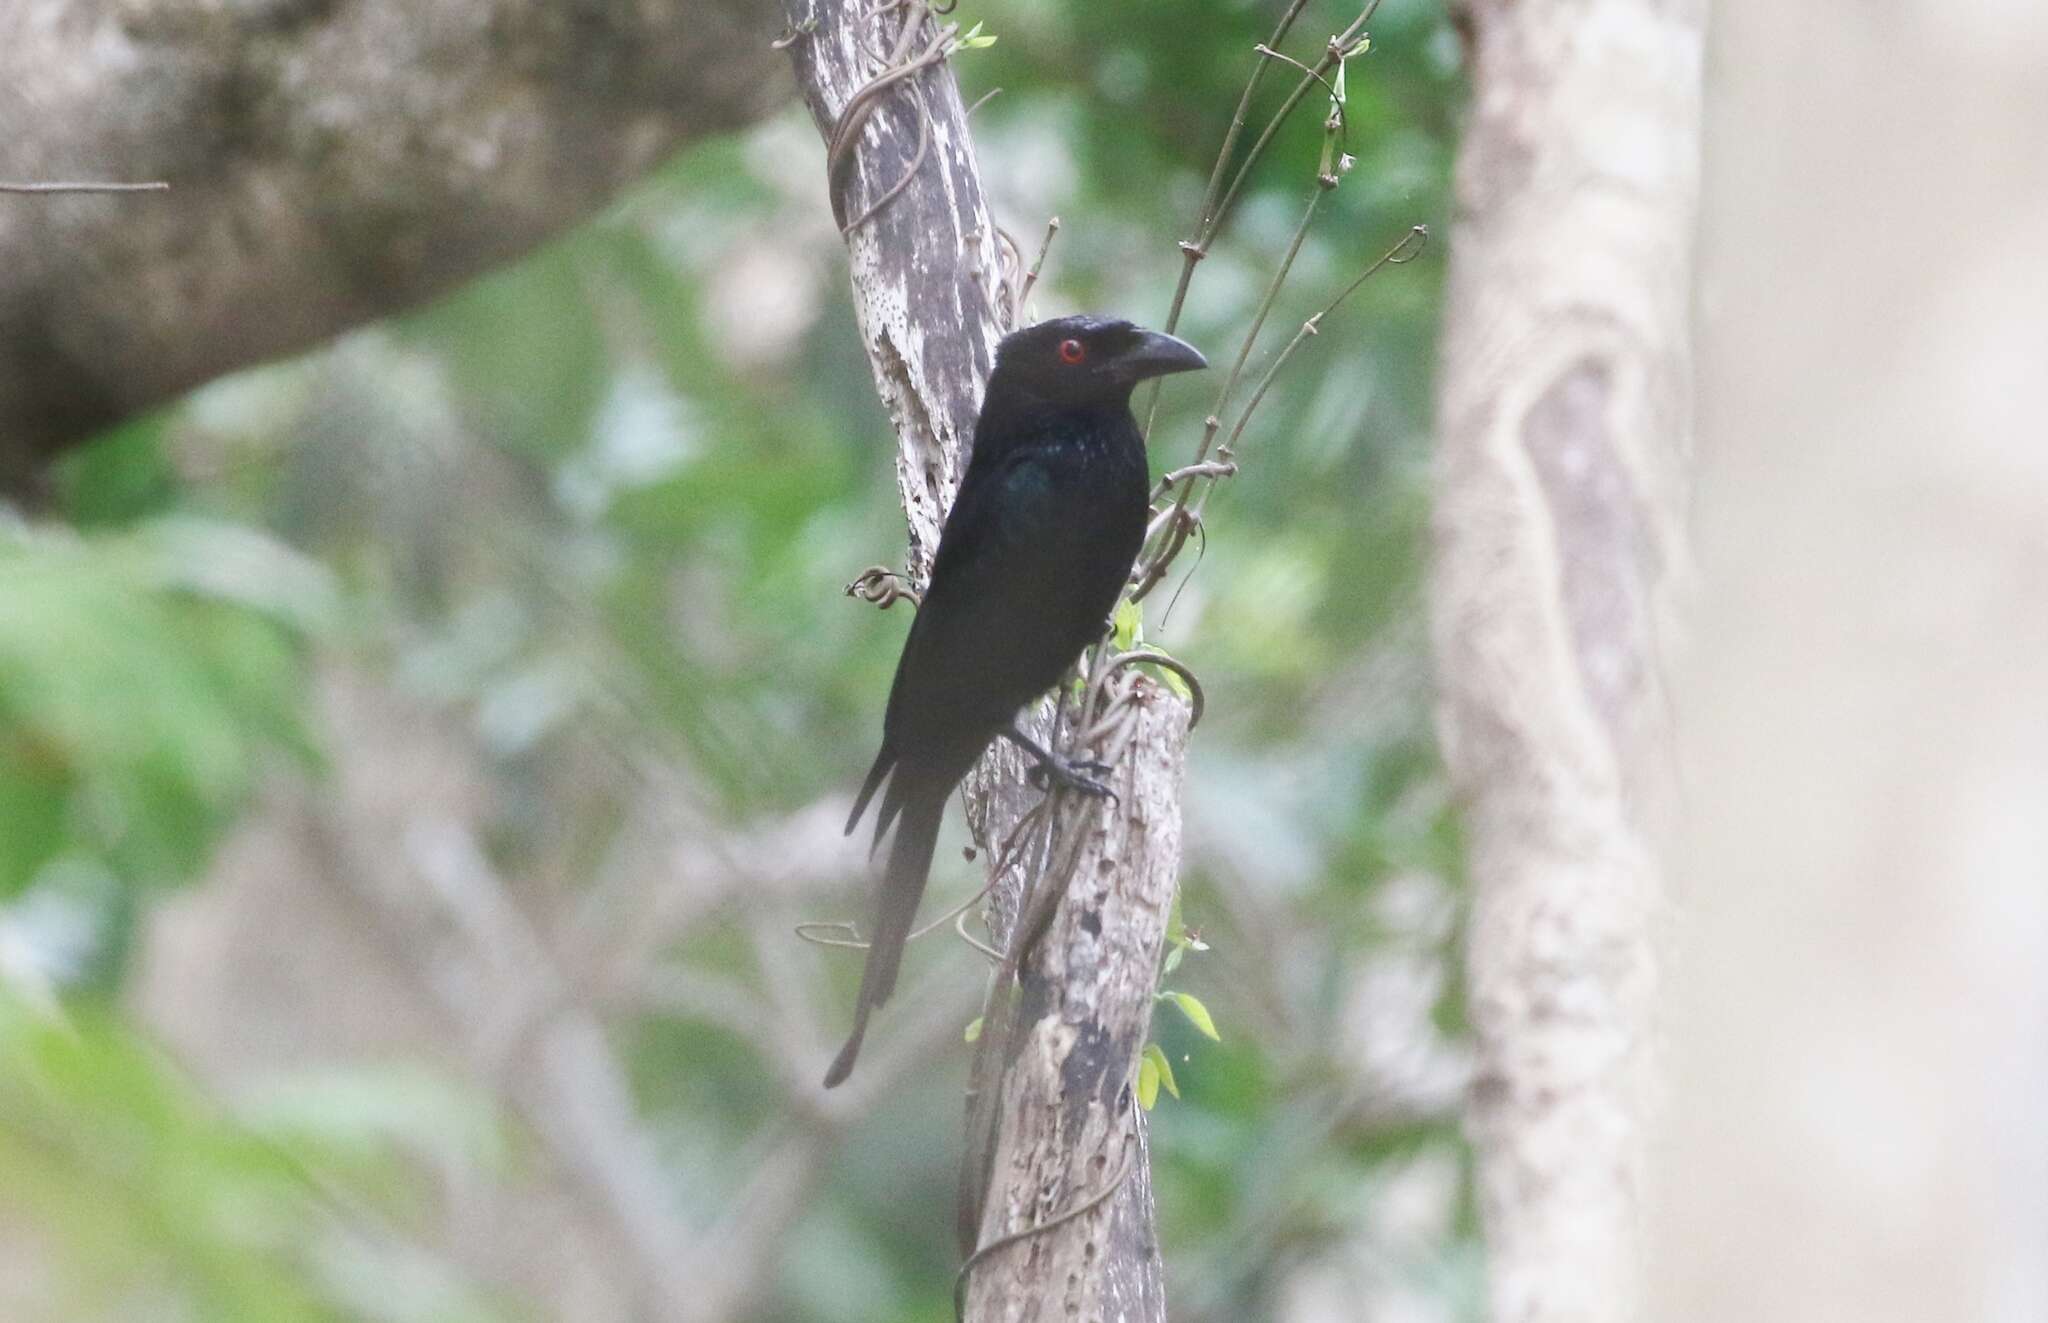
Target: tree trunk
1859 1001
330 163
1058 1126
1563 417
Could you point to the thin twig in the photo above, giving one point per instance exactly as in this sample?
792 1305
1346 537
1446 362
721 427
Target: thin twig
1334 53
1212 468
809 930
1052 227
1407 250
960 927
1177 530
1170 530
153 186
1195 249
1336 102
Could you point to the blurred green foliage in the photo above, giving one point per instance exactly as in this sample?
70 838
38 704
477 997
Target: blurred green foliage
148 1200
145 677
603 501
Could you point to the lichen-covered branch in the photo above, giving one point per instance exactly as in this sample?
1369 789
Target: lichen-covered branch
329 163
925 269
1563 415
1058 1118
1064 1126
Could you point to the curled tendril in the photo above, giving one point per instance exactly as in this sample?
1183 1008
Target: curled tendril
846 936
791 32
898 65
850 940
1152 656
883 587
917 157
1086 1206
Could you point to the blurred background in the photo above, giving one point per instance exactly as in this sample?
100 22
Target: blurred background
415 757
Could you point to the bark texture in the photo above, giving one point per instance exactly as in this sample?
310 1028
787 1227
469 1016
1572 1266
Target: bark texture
925 273
1858 1002
927 284
331 161
1563 418
1066 1127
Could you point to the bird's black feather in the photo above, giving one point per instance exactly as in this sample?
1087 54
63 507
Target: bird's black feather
1035 550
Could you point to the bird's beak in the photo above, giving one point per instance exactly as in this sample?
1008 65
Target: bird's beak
1155 354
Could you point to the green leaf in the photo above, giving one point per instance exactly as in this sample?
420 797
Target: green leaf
1173 959
1198 1014
973 1034
1155 1056
1148 1081
34 803
1127 625
123 476
143 678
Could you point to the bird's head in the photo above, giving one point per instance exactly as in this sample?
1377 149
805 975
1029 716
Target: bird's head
1086 360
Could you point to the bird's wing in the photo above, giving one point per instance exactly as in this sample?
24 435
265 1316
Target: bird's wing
964 609
1015 489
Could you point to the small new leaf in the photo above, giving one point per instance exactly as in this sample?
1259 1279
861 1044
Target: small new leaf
1148 1081
1198 1014
974 1029
1155 1056
1127 625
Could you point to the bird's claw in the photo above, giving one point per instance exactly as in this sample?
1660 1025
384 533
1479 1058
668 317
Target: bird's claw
1079 776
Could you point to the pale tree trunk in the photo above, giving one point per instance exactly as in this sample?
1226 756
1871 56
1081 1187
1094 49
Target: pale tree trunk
1057 1192
1859 1002
330 162
1563 420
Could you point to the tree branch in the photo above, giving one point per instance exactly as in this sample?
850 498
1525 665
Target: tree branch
924 268
929 290
1562 415
332 163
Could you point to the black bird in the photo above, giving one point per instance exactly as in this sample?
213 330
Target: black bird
1036 549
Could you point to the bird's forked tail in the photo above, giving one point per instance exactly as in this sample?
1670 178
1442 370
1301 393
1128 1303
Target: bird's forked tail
910 863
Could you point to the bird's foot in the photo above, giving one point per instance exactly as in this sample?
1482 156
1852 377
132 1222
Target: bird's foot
1050 769
1082 776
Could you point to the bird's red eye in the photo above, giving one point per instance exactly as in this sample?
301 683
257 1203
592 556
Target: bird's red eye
1072 351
